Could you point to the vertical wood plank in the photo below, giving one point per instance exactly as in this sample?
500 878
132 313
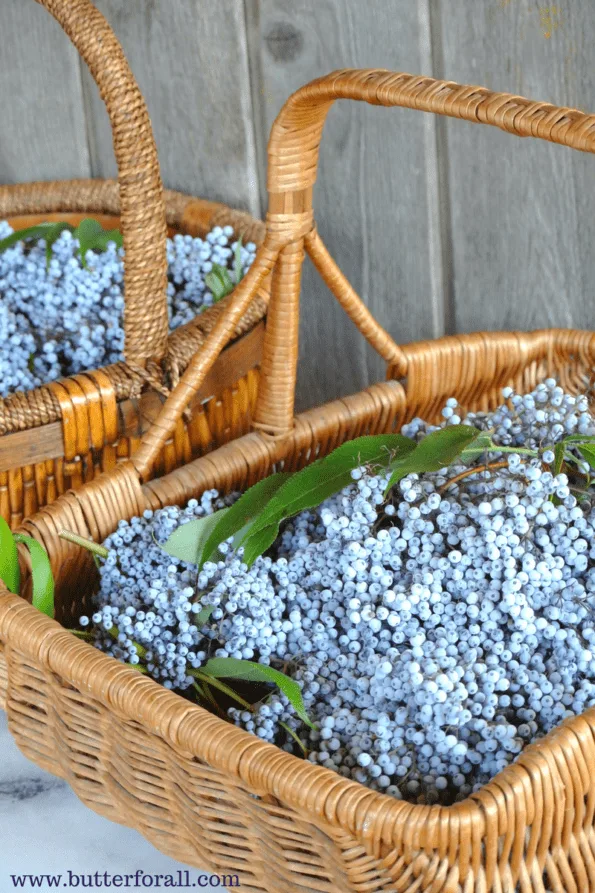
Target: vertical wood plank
41 104
377 187
522 222
190 60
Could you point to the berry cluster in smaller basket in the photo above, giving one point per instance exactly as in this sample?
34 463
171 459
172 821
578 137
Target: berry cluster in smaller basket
62 317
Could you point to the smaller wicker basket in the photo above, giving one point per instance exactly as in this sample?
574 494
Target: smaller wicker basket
202 790
58 436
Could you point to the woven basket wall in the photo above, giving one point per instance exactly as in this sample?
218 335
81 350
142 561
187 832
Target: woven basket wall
202 790
60 435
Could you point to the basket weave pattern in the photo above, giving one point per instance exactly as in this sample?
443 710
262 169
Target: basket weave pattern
95 431
207 792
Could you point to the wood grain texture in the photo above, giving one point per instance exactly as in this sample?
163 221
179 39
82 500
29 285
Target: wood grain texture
41 108
190 60
376 190
522 225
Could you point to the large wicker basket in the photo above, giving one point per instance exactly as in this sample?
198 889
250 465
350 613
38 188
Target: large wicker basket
58 436
204 791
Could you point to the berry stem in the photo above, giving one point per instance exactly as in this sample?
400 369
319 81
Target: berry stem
84 543
492 466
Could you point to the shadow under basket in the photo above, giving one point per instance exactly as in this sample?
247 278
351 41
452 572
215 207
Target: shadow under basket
202 790
62 434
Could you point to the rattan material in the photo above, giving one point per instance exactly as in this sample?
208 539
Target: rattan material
204 791
88 406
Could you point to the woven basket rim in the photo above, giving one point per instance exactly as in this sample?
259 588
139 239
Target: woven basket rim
100 195
231 747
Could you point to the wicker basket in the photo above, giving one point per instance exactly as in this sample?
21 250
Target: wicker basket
204 791
58 436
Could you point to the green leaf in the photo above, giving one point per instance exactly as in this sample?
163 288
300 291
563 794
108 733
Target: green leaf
41 575
435 451
203 615
187 542
559 451
87 232
238 271
9 559
241 514
219 282
39 231
102 239
587 451
312 485
256 543
482 444
232 668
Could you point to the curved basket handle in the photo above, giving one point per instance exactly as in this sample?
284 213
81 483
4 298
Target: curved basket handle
293 162
144 228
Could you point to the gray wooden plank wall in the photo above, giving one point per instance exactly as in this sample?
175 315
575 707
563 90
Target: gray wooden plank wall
441 226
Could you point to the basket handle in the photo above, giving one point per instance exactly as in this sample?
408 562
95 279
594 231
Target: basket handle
293 161
144 228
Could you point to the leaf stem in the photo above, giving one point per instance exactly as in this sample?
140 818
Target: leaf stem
84 543
216 683
298 740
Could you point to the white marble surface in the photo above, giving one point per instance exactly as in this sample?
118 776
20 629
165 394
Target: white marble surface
45 829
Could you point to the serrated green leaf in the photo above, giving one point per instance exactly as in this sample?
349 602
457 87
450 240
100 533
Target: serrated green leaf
241 514
238 271
232 668
41 575
309 487
480 445
187 541
9 559
587 451
435 451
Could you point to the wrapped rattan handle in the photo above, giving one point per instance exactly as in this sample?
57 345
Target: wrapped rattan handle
142 204
293 161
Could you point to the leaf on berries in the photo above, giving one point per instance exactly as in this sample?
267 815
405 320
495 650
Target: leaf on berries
437 450
308 488
9 559
219 282
481 445
559 451
249 671
86 232
41 575
240 515
587 451
203 615
47 231
187 541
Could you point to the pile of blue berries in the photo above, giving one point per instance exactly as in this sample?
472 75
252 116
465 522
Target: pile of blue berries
434 633
62 318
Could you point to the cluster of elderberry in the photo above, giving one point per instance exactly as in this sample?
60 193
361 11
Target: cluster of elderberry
60 318
434 632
